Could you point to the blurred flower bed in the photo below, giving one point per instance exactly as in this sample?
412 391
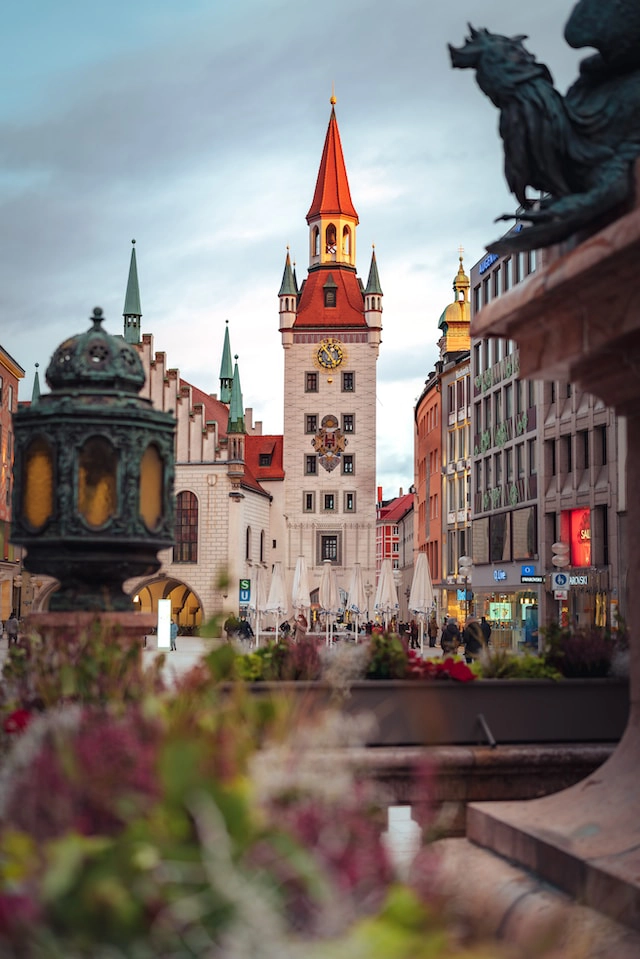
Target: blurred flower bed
141 822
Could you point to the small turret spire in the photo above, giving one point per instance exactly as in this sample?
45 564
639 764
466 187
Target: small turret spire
288 287
132 311
226 368
236 406
373 283
35 394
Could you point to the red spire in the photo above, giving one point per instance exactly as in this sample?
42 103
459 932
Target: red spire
332 196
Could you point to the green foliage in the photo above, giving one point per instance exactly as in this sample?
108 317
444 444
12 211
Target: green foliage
388 657
96 666
503 664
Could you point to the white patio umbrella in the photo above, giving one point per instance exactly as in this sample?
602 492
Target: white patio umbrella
386 601
300 594
329 597
421 597
277 598
357 599
258 599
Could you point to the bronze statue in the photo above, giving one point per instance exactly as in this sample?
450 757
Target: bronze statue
578 150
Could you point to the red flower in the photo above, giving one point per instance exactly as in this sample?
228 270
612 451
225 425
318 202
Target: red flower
17 721
459 671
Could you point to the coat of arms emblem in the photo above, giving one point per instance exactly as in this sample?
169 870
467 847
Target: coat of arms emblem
329 443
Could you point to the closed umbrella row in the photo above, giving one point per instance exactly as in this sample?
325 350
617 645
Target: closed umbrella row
275 600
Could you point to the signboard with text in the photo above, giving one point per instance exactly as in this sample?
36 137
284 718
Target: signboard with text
245 592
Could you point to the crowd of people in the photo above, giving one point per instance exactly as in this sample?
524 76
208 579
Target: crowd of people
473 638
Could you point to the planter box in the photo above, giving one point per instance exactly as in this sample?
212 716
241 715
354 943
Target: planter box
443 712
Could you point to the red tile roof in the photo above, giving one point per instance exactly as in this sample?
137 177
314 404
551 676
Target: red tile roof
332 195
214 410
271 445
396 509
349 309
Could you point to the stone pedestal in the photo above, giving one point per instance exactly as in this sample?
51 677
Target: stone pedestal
578 319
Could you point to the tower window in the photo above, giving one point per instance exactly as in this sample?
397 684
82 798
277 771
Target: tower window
310 465
348 464
309 502
311 382
329 502
330 297
349 502
348 382
310 423
348 423
346 241
316 241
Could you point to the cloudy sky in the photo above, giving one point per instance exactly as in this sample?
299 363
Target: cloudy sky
196 126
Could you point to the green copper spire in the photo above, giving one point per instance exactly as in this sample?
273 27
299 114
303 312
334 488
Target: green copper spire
132 311
226 369
236 406
35 394
373 283
289 286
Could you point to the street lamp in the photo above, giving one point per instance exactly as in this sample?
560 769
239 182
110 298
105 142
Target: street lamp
368 589
465 568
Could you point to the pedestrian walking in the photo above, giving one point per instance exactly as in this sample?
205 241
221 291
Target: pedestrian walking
486 629
11 626
473 639
174 634
300 628
450 638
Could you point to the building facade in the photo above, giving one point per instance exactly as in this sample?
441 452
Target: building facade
442 460
545 472
10 572
395 542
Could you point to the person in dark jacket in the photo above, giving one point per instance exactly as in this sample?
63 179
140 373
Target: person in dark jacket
473 639
450 638
486 629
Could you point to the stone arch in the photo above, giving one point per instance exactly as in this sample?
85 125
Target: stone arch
186 606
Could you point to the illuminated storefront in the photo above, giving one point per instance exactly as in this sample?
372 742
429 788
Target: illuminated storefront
588 601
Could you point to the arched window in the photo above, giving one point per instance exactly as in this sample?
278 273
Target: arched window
247 545
186 548
346 241
316 241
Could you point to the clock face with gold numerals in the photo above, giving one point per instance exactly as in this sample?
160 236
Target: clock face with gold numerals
330 353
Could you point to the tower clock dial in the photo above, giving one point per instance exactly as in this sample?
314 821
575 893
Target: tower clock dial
329 354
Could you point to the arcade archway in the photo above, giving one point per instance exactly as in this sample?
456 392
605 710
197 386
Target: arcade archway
186 608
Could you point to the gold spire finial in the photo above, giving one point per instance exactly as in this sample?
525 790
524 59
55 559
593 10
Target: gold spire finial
333 100
461 252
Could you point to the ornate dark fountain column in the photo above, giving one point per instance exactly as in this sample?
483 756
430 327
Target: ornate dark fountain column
93 489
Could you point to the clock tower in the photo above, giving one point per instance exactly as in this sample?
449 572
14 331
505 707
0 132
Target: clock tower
330 328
